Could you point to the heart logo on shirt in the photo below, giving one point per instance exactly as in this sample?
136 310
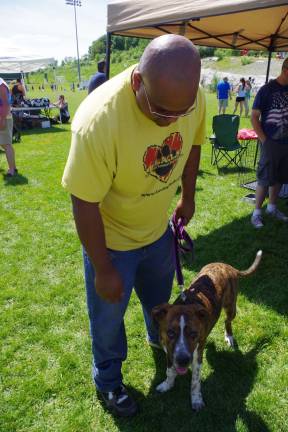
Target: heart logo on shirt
159 161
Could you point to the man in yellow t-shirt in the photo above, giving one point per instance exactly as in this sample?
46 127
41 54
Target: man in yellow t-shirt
134 139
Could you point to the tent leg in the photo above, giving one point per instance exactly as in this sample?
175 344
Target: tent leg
108 52
268 66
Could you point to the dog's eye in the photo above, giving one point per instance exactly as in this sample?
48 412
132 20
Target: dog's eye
171 333
192 334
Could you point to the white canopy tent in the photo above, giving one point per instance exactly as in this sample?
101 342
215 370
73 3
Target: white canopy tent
23 64
251 24
16 67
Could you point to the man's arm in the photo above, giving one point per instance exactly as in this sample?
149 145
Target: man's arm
230 92
90 229
255 120
186 205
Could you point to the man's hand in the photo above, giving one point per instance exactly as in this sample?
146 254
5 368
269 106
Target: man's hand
109 285
185 210
256 123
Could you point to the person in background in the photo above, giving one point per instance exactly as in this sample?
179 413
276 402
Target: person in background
18 93
64 115
134 140
270 121
240 96
223 92
6 128
99 78
248 88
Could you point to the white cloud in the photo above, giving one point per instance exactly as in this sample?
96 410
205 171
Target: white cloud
47 28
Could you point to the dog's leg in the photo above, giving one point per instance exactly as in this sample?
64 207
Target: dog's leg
228 329
196 395
229 339
228 332
230 309
169 382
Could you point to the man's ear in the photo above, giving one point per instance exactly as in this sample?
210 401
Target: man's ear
159 312
136 80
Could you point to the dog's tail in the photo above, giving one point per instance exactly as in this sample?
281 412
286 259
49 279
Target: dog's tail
253 267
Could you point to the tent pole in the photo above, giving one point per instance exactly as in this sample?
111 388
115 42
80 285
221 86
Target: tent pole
108 53
268 66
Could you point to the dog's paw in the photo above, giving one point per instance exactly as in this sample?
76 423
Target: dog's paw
163 387
229 340
198 404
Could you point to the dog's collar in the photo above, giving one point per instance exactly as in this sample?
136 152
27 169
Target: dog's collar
203 288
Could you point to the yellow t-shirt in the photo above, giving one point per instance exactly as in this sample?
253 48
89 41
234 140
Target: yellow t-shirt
124 161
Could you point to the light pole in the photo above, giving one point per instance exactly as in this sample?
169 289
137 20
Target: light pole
76 3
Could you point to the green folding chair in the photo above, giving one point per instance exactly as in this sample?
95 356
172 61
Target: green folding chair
225 145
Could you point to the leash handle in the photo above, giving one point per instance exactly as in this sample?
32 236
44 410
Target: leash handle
179 235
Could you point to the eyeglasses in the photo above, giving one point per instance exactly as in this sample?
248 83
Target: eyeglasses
171 116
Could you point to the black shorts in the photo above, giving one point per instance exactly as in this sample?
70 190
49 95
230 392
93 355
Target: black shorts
240 99
273 163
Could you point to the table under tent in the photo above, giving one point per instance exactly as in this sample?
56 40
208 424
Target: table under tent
31 112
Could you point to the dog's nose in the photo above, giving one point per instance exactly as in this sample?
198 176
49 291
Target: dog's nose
183 359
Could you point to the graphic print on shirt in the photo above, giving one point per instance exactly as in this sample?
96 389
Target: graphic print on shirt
160 160
277 118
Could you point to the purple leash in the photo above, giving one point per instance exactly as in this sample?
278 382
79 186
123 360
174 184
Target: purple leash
180 236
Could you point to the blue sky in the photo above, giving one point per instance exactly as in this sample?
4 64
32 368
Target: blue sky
46 28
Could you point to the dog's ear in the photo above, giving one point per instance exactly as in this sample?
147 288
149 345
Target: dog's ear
159 312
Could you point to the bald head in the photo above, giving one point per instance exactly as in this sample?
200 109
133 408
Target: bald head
170 70
170 57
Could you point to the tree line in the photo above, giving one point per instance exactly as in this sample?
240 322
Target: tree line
135 46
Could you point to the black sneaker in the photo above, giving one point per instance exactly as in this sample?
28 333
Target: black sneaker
119 402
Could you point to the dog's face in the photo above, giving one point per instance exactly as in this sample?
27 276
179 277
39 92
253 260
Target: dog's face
181 328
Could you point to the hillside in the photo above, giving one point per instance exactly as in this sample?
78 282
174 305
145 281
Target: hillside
234 69
230 66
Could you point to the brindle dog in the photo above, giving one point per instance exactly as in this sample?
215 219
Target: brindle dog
185 325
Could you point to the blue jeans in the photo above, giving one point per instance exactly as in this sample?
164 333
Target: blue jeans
150 270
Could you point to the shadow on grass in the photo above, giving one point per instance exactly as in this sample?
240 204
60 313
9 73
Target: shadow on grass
16 180
234 170
225 392
37 131
229 385
202 173
237 243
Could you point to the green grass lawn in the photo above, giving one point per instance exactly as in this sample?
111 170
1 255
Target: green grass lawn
45 346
